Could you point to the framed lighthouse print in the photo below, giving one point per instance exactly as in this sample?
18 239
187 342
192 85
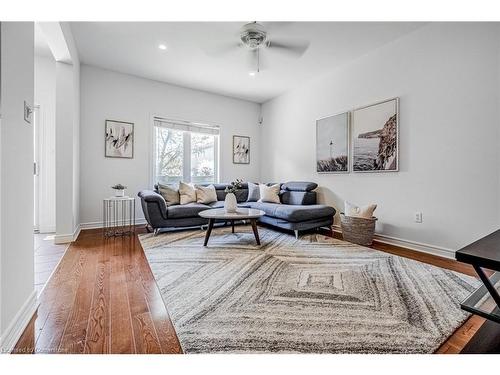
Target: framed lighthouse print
332 144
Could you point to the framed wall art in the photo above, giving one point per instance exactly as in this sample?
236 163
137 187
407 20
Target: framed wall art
375 137
119 139
332 143
241 149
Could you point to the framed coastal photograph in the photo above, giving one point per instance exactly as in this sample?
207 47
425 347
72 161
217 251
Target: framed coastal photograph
119 139
375 137
241 149
332 144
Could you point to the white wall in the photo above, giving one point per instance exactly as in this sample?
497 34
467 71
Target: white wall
65 182
17 294
45 97
62 44
447 76
116 96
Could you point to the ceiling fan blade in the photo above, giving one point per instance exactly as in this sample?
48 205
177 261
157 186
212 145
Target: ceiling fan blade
274 26
221 49
294 48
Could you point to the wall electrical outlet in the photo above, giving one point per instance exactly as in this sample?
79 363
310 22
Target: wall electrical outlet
418 217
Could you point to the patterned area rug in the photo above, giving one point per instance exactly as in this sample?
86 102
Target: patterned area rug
312 295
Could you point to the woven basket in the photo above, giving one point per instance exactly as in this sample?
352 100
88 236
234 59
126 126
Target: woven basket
357 229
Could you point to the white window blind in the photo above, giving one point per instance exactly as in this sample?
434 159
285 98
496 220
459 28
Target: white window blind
187 126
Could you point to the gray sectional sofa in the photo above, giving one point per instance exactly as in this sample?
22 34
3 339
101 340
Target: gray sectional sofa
298 209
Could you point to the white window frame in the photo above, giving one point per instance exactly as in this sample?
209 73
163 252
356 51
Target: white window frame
186 165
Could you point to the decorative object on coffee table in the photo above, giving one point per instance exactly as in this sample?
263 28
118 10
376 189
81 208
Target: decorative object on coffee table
241 214
119 190
230 203
118 216
241 149
119 139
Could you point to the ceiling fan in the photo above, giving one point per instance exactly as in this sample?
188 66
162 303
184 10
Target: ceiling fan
255 38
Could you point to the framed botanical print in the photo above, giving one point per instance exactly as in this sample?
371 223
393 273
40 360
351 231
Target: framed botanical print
332 144
375 137
241 149
119 139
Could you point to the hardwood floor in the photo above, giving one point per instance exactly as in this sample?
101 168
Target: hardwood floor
103 298
47 256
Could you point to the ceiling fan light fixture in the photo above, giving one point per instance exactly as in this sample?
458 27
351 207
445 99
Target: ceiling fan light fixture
162 46
253 35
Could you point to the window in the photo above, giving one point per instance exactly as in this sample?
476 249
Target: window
186 152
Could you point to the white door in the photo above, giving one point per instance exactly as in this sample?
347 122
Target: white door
36 166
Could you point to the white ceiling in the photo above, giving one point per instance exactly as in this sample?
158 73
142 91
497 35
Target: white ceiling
132 47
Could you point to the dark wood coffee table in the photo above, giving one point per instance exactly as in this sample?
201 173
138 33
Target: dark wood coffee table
241 214
485 301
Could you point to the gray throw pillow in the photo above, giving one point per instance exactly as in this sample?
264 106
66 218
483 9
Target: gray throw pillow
170 193
253 192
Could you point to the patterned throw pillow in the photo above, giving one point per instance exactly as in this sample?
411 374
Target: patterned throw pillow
365 212
205 194
187 193
170 193
269 194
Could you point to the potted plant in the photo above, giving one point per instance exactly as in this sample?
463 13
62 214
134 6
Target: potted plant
230 203
119 190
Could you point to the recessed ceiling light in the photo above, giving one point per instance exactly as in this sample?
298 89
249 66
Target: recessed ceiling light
252 74
162 46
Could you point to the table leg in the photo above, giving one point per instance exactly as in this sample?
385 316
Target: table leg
232 226
209 230
487 283
255 232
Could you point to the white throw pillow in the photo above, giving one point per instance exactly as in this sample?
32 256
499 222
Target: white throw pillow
269 194
170 193
187 193
205 194
365 212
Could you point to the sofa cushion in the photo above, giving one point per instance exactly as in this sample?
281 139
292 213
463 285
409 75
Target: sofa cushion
253 192
299 186
241 194
186 210
187 193
205 194
170 193
269 194
294 213
298 197
217 204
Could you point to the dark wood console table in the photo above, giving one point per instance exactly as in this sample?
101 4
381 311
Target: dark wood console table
485 301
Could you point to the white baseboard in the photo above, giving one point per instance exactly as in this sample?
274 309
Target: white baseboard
18 324
49 229
65 238
100 224
412 245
